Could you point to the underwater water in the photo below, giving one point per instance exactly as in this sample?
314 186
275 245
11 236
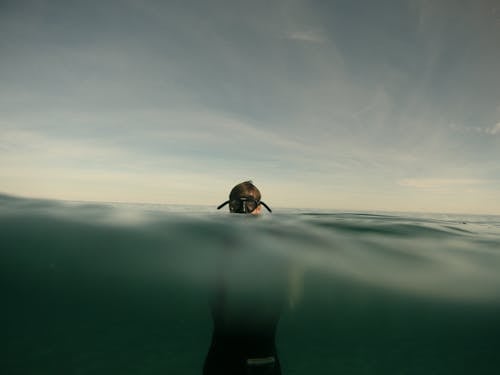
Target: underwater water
115 288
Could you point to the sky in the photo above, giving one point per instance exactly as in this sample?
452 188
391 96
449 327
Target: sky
389 105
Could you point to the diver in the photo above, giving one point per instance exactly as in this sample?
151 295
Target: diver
244 198
243 338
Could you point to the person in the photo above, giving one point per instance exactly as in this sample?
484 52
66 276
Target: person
244 198
245 322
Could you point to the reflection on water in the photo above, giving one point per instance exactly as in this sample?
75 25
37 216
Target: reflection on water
115 288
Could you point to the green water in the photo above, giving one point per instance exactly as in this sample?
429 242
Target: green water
110 290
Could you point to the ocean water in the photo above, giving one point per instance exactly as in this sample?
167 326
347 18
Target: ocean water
125 289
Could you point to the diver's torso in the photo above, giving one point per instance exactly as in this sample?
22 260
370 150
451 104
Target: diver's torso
246 308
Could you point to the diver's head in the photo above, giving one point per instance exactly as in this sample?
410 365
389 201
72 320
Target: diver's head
244 198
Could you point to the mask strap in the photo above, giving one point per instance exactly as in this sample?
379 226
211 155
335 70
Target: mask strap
261 202
222 205
266 206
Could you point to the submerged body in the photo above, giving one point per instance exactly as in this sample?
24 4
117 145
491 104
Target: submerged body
249 296
243 346
245 320
247 303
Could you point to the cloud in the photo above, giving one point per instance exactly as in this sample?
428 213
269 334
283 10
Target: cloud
476 129
311 36
438 183
27 144
494 130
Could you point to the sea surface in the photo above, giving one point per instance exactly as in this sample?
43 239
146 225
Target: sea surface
125 289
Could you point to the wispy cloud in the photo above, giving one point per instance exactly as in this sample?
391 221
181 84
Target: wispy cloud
494 130
311 36
438 183
33 144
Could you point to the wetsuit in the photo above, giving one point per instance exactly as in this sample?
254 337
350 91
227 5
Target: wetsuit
242 354
244 327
